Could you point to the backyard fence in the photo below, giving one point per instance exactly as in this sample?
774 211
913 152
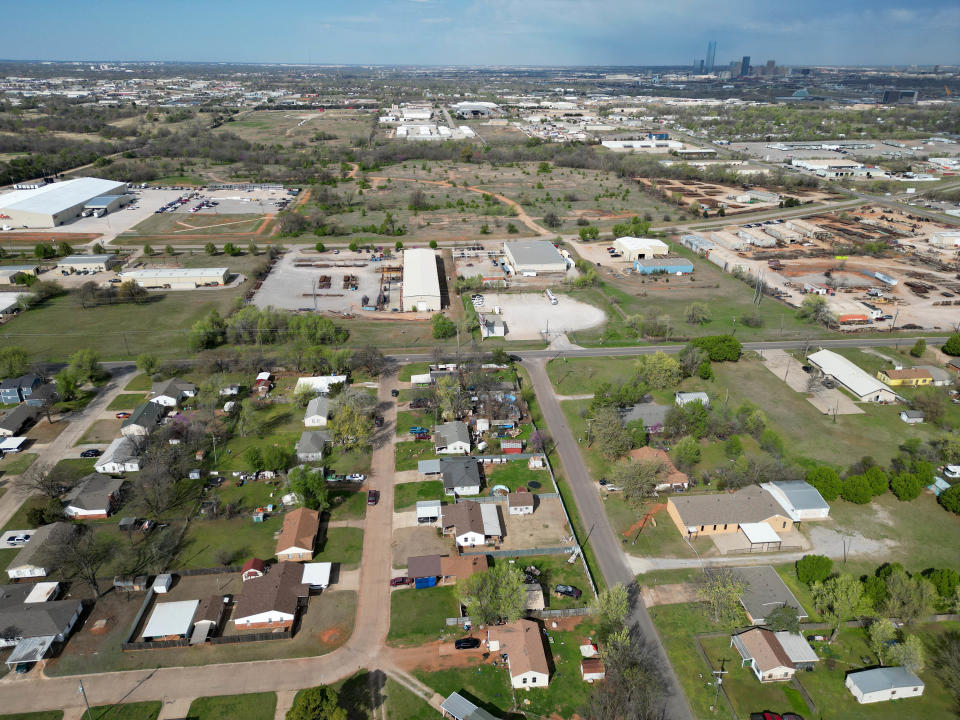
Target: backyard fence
524 552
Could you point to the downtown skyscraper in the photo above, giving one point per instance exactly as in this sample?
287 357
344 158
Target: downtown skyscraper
711 55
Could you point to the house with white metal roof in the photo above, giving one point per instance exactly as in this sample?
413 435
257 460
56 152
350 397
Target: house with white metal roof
799 499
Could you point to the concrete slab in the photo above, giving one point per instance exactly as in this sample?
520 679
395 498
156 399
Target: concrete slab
284 703
529 315
174 709
669 594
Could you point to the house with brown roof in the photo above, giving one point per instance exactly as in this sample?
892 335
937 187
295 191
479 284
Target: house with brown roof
298 536
773 656
714 514
271 600
670 478
448 568
472 523
908 377
520 502
522 643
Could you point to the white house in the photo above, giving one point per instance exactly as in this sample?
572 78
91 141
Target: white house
318 412
319 383
171 392
520 503
120 457
522 643
884 683
94 497
452 438
461 476
472 523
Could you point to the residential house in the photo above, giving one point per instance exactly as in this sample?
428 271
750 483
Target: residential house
908 377
317 413
171 621
799 499
670 478
42 396
253 568
884 683
16 420
298 535
446 568
31 561
682 398
34 620
762 652
650 414
521 641
312 445
457 707
472 523
16 390
272 600
452 438
592 669
521 503
95 496
714 514
953 365
461 476
121 456
940 376
763 592
143 420
170 392
859 383
319 384
912 417
208 618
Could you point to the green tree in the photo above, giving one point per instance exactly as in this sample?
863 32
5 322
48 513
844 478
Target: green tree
909 653
317 703
826 481
906 486
698 313
919 348
13 361
719 348
839 599
68 386
210 249
720 590
252 249
148 250
433 245
169 251
733 447
952 345
320 247
660 371
276 458
686 453
85 364
814 308
43 251
877 480
908 598
494 594
147 363
882 632
609 434
613 608
856 490
950 499
637 480
783 619
813 568
443 327
944 580
310 486
351 427
253 459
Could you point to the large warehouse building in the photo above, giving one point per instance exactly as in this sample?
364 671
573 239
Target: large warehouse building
534 257
177 278
634 248
421 282
55 204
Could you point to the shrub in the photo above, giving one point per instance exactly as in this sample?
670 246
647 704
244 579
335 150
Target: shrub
906 486
826 481
443 327
919 348
950 499
856 489
705 371
877 479
813 568
945 580
719 348
952 345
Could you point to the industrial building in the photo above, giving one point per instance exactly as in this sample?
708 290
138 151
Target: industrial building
634 248
177 278
421 281
671 265
8 273
90 263
57 203
533 257
862 385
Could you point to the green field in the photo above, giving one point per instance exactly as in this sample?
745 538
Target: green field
401 704
42 715
517 474
343 545
127 711
406 495
408 454
581 376
16 463
417 616
410 369
254 706
172 225
126 401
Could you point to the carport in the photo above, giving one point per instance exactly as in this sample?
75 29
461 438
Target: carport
30 650
761 536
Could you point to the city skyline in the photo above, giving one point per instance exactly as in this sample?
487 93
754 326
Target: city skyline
509 32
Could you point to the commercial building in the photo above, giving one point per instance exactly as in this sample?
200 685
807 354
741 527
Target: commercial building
835 168
634 248
534 257
861 384
9 273
56 203
421 281
177 278
89 263
800 499
108 203
669 265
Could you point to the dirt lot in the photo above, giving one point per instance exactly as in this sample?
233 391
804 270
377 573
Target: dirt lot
421 540
669 594
541 530
528 315
44 432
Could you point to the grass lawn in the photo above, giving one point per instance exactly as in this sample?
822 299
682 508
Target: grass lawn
417 368
100 432
128 711
408 454
517 474
581 376
347 505
140 382
660 540
205 539
597 464
254 706
677 625
486 686
345 462
43 715
567 693
406 495
343 545
406 419
401 704
72 469
16 463
126 401
555 570
417 616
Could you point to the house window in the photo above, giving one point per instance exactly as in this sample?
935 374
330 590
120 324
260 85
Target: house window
524 681
725 526
714 527
702 528
784 524
533 681
893 692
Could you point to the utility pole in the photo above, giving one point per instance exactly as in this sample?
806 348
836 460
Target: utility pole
718 681
81 691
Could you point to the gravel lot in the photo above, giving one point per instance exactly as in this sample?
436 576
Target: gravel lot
528 315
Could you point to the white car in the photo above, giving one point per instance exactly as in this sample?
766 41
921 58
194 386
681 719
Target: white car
356 477
952 471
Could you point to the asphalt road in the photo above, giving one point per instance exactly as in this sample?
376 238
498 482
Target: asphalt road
600 537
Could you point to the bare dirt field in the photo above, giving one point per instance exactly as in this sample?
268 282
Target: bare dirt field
421 540
669 594
543 529
529 315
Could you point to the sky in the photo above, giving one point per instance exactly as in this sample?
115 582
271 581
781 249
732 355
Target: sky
486 32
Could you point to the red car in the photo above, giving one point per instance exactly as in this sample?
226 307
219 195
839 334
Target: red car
122 415
398 581
422 436
373 497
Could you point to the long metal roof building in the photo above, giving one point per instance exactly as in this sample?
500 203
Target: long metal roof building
56 203
421 282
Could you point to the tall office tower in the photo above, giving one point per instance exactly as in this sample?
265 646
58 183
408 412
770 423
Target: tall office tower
745 66
771 67
711 55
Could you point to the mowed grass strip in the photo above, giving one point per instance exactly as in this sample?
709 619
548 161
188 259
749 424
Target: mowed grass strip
17 463
252 706
148 710
126 401
417 616
407 495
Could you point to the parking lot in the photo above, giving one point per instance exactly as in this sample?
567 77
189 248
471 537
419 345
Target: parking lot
290 287
529 315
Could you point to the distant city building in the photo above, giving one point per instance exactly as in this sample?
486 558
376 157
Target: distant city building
711 55
745 66
899 97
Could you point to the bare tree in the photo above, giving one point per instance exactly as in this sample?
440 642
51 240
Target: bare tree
634 687
38 478
79 553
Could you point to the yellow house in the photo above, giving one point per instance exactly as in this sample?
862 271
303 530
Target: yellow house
911 377
715 514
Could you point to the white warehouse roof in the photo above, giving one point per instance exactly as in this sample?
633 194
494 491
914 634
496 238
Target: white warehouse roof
159 273
59 196
420 273
171 618
85 259
632 244
859 382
